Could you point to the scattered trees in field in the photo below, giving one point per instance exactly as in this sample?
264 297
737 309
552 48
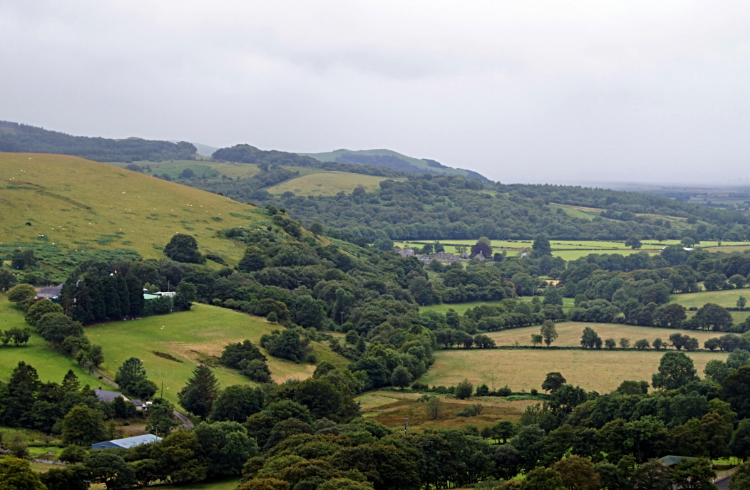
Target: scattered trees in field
548 332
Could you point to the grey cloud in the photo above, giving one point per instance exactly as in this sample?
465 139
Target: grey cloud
520 91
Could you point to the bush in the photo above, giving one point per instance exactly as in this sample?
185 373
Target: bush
464 390
73 454
471 411
504 391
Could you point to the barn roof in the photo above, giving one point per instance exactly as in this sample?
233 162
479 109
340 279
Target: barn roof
126 443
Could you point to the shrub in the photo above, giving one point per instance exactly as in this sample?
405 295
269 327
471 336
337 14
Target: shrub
471 411
464 389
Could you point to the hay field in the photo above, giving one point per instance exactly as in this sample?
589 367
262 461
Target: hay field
77 205
193 337
524 369
570 334
327 184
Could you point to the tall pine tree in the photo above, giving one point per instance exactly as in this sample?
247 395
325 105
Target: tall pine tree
135 290
111 298
122 291
200 392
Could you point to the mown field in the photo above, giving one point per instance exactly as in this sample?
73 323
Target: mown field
327 184
193 337
524 369
70 205
51 364
570 334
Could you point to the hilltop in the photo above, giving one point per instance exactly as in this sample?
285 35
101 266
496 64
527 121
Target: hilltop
394 160
68 209
16 137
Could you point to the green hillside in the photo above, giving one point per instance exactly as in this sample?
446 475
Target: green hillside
191 337
66 207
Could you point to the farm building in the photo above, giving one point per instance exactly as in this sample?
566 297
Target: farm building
126 443
52 293
109 396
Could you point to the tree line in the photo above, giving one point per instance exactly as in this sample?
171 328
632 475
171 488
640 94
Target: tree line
22 138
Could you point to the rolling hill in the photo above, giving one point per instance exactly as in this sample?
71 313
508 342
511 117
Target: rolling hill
394 160
65 207
23 138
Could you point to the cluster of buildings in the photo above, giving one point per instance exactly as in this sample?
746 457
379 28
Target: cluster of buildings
52 293
444 257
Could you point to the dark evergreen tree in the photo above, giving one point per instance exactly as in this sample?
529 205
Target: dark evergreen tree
135 291
111 299
123 293
200 392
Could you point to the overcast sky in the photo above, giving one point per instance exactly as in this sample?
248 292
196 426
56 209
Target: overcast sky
520 91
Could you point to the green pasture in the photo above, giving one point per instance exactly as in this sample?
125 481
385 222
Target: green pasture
193 337
327 184
726 298
51 364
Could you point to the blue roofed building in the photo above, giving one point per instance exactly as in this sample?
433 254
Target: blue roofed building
126 443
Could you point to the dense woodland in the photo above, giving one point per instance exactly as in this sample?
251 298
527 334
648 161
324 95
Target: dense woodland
21 138
446 207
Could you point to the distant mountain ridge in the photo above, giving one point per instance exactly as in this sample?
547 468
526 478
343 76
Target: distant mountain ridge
22 138
394 160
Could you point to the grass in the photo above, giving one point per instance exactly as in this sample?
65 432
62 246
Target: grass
193 337
75 205
525 369
51 364
390 408
229 484
721 298
327 184
570 334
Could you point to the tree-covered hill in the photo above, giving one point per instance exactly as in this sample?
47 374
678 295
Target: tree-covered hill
442 207
21 138
394 160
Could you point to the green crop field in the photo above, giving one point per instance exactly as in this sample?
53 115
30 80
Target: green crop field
67 205
327 184
193 337
726 298
570 333
524 369
49 363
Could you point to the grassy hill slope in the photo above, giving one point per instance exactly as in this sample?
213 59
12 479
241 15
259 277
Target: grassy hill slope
67 205
50 364
327 184
191 337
